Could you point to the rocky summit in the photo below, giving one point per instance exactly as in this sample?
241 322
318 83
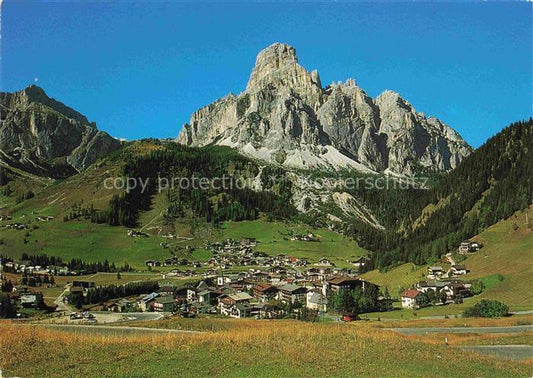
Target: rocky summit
46 137
285 116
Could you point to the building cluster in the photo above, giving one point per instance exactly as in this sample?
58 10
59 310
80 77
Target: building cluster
438 272
232 253
441 288
25 268
83 317
22 297
14 226
137 234
249 294
308 237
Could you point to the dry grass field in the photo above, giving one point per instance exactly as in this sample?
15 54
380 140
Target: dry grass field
243 348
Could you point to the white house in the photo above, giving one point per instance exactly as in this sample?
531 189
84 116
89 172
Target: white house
413 299
317 301
435 272
458 270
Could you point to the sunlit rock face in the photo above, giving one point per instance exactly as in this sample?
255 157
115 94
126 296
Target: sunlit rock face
35 129
285 116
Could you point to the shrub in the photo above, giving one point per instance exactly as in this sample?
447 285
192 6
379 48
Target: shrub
477 287
487 309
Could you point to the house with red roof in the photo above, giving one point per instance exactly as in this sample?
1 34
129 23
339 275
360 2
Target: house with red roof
412 298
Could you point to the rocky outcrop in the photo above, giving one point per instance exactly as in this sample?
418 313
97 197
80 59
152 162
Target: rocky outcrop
286 116
414 141
38 131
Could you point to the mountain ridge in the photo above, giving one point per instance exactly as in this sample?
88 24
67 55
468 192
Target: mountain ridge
46 137
284 116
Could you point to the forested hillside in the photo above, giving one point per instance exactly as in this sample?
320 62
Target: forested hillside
489 185
212 182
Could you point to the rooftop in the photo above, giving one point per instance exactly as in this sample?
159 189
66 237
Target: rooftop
240 297
290 287
411 293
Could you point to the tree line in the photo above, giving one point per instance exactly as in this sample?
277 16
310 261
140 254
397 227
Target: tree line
104 293
74 264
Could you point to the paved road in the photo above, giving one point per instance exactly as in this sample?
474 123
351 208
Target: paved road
113 329
133 316
482 330
527 312
515 352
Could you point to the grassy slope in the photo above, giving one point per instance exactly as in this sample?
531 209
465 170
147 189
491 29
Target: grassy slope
274 238
94 242
245 348
506 251
79 239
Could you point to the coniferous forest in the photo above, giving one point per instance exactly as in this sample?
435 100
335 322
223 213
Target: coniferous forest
176 171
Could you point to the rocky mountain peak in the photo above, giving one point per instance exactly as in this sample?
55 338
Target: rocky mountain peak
35 94
276 55
36 130
277 66
285 116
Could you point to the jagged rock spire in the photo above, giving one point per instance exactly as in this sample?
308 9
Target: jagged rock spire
285 116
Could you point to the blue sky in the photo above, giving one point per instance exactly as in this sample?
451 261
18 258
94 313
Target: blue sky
140 69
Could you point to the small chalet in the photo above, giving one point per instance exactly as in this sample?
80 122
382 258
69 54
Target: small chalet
125 305
267 311
325 262
317 301
249 242
208 296
76 290
152 263
227 279
28 300
83 284
165 304
166 290
413 299
468 246
242 310
146 302
227 303
435 272
458 270
361 262
346 283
